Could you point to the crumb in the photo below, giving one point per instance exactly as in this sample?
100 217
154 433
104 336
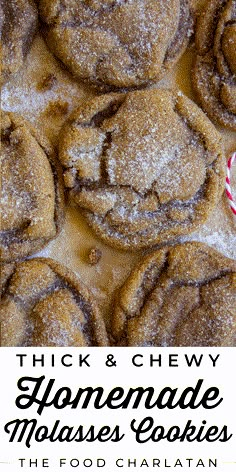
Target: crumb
94 256
47 82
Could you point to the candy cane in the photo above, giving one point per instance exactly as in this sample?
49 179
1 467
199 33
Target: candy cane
227 183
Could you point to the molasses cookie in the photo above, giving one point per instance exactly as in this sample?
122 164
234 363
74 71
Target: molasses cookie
44 304
179 296
214 71
31 190
117 43
145 167
18 23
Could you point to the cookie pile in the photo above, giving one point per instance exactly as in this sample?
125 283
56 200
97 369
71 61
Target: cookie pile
142 162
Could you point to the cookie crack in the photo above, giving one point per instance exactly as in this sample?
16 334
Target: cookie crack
9 22
182 315
6 132
108 8
178 204
29 303
86 308
13 234
215 108
103 159
76 23
226 73
124 336
196 133
179 284
147 293
98 118
185 28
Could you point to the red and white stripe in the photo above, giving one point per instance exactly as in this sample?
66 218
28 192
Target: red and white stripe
227 183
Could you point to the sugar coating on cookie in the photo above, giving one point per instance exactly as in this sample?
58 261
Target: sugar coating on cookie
178 296
214 70
117 43
31 190
144 167
18 24
45 304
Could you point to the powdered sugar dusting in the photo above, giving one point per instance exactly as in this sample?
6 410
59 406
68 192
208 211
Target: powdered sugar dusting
23 95
219 231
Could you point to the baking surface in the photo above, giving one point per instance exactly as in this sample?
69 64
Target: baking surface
45 94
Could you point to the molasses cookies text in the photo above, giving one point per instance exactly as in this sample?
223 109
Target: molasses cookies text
43 394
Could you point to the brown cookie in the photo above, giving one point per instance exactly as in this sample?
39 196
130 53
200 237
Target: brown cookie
31 192
145 167
214 70
178 296
18 24
117 43
45 304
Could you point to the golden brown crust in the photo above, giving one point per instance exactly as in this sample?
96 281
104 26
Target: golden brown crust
178 296
18 24
32 201
45 304
117 44
145 166
214 69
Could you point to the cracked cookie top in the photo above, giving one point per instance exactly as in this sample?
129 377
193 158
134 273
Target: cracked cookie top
31 190
214 71
178 296
117 43
18 23
45 304
145 166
